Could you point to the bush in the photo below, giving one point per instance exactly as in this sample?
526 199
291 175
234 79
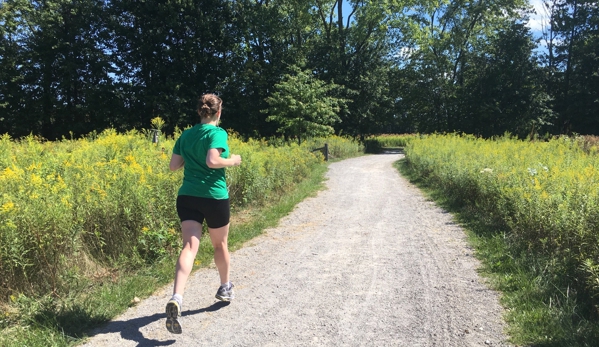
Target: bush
545 192
71 207
339 147
375 144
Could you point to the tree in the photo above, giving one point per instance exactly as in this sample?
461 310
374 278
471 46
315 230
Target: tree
353 50
168 53
503 89
272 36
302 106
571 63
11 93
62 82
469 67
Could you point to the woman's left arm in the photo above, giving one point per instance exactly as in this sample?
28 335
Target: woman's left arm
177 162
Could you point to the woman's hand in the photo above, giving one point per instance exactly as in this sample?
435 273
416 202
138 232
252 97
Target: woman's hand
236 159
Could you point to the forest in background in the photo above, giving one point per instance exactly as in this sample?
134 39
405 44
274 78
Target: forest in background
71 67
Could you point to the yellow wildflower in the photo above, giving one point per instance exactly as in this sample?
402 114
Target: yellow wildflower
34 166
66 202
136 167
36 180
7 206
8 173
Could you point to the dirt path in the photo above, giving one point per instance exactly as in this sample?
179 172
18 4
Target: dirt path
367 262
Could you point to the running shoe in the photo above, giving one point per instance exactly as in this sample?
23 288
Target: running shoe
173 316
225 292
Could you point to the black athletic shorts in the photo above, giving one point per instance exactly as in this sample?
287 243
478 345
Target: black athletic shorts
216 212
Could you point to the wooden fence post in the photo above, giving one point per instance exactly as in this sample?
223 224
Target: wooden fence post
324 150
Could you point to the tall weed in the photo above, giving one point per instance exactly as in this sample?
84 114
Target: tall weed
546 193
70 209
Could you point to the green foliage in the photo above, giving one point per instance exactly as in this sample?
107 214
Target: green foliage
466 67
157 122
56 70
542 193
402 66
108 201
570 64
97 296
353 51
375 144
267 171
303 107
339 147
82 202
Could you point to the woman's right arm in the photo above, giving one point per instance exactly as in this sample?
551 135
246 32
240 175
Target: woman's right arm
177 162
214 160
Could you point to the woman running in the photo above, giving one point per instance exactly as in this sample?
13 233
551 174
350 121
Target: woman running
203 152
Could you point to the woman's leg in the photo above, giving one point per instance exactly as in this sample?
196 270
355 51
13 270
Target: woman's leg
192 231
219 237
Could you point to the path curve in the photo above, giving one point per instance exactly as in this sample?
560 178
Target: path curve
367 262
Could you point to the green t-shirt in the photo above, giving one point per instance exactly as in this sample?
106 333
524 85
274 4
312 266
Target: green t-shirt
198 179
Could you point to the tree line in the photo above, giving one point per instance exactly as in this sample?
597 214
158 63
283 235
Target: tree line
294 67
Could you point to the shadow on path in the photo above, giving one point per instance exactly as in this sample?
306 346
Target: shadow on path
129 329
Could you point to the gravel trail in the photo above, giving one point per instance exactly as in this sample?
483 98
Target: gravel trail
367 262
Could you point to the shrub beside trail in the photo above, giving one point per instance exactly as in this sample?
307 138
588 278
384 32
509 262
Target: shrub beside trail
546 194
375 144
73 208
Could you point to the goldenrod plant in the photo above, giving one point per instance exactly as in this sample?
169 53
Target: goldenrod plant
108 200
544 197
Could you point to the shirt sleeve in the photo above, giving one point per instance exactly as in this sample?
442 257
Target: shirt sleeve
219 140
177 148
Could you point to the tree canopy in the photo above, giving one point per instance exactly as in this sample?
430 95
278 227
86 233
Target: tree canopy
397 65
302 106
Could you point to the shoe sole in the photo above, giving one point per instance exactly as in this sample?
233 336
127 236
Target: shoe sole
224 298
172 318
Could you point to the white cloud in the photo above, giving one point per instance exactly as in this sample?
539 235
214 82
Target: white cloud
539 20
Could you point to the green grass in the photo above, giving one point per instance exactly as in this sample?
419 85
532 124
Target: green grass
67 321
539 311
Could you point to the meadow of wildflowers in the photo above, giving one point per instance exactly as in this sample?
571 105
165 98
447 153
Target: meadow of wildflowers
546 193
70 208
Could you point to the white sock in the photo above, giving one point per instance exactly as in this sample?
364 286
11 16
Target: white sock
179 298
